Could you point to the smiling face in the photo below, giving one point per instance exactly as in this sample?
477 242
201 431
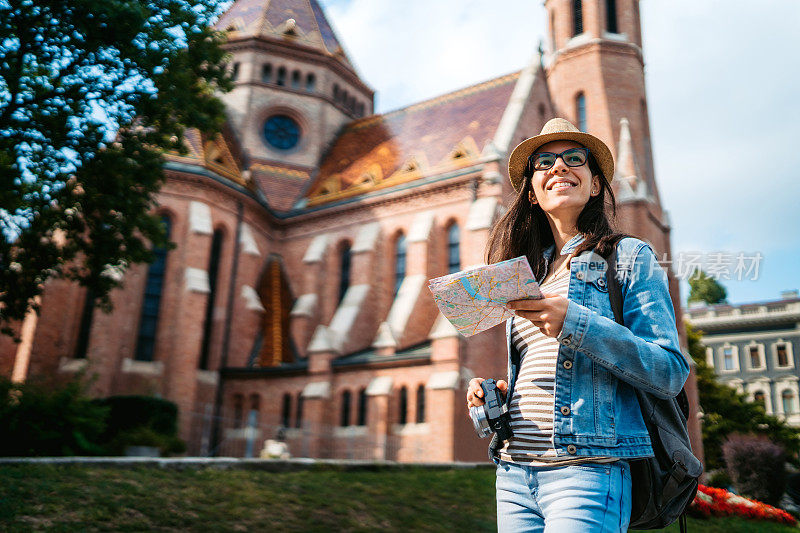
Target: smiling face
562 191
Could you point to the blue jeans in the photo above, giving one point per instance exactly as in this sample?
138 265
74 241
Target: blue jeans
590 497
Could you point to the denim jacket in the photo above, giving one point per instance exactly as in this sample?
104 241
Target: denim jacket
600 362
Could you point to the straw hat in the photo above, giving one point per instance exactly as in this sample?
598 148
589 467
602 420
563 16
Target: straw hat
558 129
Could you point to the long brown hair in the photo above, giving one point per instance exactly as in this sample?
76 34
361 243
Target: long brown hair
524 229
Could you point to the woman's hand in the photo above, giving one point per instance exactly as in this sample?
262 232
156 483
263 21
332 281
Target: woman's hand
475 392
547 313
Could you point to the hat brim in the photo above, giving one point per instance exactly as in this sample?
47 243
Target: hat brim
519 156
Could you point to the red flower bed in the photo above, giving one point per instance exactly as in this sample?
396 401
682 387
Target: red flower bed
711 501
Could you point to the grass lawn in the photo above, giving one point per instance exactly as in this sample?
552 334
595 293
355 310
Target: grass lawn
74 498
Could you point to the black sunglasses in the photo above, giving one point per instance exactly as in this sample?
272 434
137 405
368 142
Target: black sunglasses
574 157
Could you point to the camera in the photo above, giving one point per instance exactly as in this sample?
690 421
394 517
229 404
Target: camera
493 415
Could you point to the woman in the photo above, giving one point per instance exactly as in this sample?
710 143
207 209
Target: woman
575 416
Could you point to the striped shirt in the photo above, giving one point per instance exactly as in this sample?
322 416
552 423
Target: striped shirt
533 401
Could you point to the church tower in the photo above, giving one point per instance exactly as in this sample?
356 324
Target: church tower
596 76
294 86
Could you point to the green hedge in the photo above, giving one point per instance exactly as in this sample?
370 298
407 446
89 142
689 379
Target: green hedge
140 421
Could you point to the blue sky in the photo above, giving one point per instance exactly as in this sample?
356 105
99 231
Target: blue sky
723 88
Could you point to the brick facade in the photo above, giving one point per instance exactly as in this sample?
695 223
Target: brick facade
287 206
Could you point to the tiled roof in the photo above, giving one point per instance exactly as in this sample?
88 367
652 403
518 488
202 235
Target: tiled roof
271 19
280 184
425 139
218 153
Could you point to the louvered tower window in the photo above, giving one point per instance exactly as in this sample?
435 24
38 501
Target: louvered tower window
611 16
577 17
453 249
580 111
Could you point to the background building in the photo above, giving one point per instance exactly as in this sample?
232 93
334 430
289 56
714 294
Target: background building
296 298
752 347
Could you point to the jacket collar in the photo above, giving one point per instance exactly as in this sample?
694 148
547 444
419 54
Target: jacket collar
568 248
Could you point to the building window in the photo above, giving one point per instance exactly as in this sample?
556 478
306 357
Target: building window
282 132
345 418
453 249
255 409
787 400
335 92
756 357
281 80
296 79
420 404
727 358
360 109
235 72
399 262
580 111
266 73
311 82
286 410
154 284
577 17
238 411
362 407
86 325
298 417
782 354
611 16
213 275
344 272
553 31
402 417
759 397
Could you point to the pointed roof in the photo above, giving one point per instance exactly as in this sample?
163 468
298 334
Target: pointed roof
296 21
219 153
627 172
435 136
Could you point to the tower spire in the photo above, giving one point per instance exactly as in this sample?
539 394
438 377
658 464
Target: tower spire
627 173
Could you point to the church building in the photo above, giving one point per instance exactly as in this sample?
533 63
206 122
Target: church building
295 303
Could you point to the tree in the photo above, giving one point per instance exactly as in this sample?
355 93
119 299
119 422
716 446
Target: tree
725 411
92 92
704 288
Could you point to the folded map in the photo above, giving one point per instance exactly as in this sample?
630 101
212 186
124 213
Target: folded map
475 300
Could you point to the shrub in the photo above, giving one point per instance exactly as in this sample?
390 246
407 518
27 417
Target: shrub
39 418
720 479
756 466
141 421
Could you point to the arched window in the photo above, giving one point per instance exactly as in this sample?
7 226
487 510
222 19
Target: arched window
611 16
420 404
213 275
787 398
266 73
286 410
759 397
154 284
311 82
453 249
335 92
344 271
87 315
403 406
399 262
577 17
255 409
296 76
345 418
238 410
362 407
580 111
235 71
298 417
281 76
360 109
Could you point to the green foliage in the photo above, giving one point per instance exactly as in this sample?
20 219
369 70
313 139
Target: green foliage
727 412
46 419
91 94
704 288
720 479
141 421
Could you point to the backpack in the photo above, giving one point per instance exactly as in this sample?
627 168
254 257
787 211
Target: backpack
663 485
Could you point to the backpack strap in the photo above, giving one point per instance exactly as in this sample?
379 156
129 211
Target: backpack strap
612 282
